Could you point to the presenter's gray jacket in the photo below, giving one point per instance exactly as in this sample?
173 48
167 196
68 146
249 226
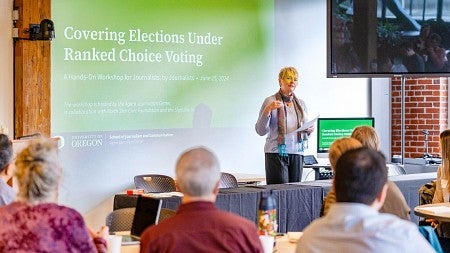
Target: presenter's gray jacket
269 125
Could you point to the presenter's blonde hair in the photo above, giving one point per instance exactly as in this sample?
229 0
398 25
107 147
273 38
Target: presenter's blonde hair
287 70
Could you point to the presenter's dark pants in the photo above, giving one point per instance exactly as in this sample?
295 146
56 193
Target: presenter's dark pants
283 169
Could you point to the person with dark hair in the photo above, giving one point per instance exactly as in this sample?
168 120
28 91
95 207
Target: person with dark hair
7 193
353 224
384 63
435 54
412 61
420 45
344 57
280 115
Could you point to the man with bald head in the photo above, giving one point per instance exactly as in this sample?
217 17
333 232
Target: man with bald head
199 226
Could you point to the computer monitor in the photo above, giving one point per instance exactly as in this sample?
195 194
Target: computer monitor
330 129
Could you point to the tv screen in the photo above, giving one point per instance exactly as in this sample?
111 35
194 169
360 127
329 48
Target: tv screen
387 38
330 129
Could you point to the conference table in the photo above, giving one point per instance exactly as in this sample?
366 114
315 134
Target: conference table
438 211
245 179
282 245
297 205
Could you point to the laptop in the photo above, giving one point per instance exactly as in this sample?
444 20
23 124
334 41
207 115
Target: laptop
309 160
146 214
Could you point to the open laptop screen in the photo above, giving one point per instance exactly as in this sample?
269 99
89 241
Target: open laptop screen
147 214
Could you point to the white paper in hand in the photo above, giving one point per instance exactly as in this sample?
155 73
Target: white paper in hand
306 125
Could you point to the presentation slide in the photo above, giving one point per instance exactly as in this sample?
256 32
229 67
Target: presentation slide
132 65
134 83
330 129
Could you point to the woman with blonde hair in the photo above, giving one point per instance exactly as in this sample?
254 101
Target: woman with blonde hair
442 191
443 173
35 223
337 148
395 202
280 115
368 136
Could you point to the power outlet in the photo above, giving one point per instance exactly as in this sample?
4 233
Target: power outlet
15 15
15 32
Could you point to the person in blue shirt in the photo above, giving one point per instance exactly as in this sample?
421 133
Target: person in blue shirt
354 224
7 193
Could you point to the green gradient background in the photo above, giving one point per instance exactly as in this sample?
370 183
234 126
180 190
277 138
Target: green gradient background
246 56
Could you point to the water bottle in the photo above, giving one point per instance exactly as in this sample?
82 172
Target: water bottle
267 215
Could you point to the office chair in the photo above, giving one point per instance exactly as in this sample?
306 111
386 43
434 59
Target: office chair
155 183
166 213
227 180
394 169
120 219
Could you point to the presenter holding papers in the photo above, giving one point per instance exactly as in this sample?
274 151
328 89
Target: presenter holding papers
281 115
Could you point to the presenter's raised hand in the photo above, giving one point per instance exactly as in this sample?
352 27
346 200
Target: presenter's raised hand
272 106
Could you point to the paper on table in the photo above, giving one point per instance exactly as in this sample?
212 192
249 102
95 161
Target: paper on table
294 236
306 125
436 209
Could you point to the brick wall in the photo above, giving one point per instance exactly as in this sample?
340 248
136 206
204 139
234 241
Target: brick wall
426 102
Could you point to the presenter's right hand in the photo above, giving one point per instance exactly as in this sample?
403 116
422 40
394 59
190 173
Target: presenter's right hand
272 106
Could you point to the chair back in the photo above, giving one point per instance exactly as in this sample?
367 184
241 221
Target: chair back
166 213
228 180
394 169
120 219
155 183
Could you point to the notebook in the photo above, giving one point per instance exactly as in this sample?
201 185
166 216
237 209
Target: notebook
146 214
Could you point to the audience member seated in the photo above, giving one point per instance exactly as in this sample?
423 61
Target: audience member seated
344 56
395 202
7 193
384 63
412 61
199 226
353 224
420 45
435 59
442 191
337 148
34 222
398 66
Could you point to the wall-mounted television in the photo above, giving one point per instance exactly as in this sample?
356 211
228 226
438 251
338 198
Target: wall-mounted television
330 129
387 38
